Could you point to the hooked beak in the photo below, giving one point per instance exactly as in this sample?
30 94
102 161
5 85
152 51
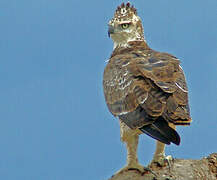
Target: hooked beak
110 30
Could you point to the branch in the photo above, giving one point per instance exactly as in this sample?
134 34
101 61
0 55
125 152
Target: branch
180 169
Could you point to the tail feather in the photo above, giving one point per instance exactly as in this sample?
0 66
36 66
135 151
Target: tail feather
161 131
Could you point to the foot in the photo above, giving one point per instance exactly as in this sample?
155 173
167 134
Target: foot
137 167
161 161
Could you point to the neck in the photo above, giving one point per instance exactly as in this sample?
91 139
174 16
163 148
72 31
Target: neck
140 45
123 41
125 44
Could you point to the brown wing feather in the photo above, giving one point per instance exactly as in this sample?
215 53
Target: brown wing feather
166 73
118 86
142 85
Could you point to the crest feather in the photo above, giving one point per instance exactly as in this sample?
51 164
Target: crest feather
125 10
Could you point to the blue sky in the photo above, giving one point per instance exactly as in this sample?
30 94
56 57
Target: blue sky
54 121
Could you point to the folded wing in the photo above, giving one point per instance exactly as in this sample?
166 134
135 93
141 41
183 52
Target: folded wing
146 90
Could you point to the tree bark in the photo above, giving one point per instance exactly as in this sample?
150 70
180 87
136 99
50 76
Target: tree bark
179 169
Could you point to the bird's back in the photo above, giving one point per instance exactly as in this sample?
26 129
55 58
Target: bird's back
145 88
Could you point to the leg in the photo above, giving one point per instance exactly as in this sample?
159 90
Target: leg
159 155
131 138
132 144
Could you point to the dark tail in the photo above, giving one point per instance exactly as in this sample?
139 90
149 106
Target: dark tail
161 131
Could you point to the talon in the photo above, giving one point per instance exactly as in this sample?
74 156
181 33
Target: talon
149 170
138 168
169 160
162 161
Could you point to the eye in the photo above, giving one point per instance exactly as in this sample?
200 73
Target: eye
125 25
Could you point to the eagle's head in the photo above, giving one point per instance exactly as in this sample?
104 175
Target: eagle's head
125 26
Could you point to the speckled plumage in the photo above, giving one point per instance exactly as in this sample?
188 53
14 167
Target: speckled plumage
139 77
144 88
